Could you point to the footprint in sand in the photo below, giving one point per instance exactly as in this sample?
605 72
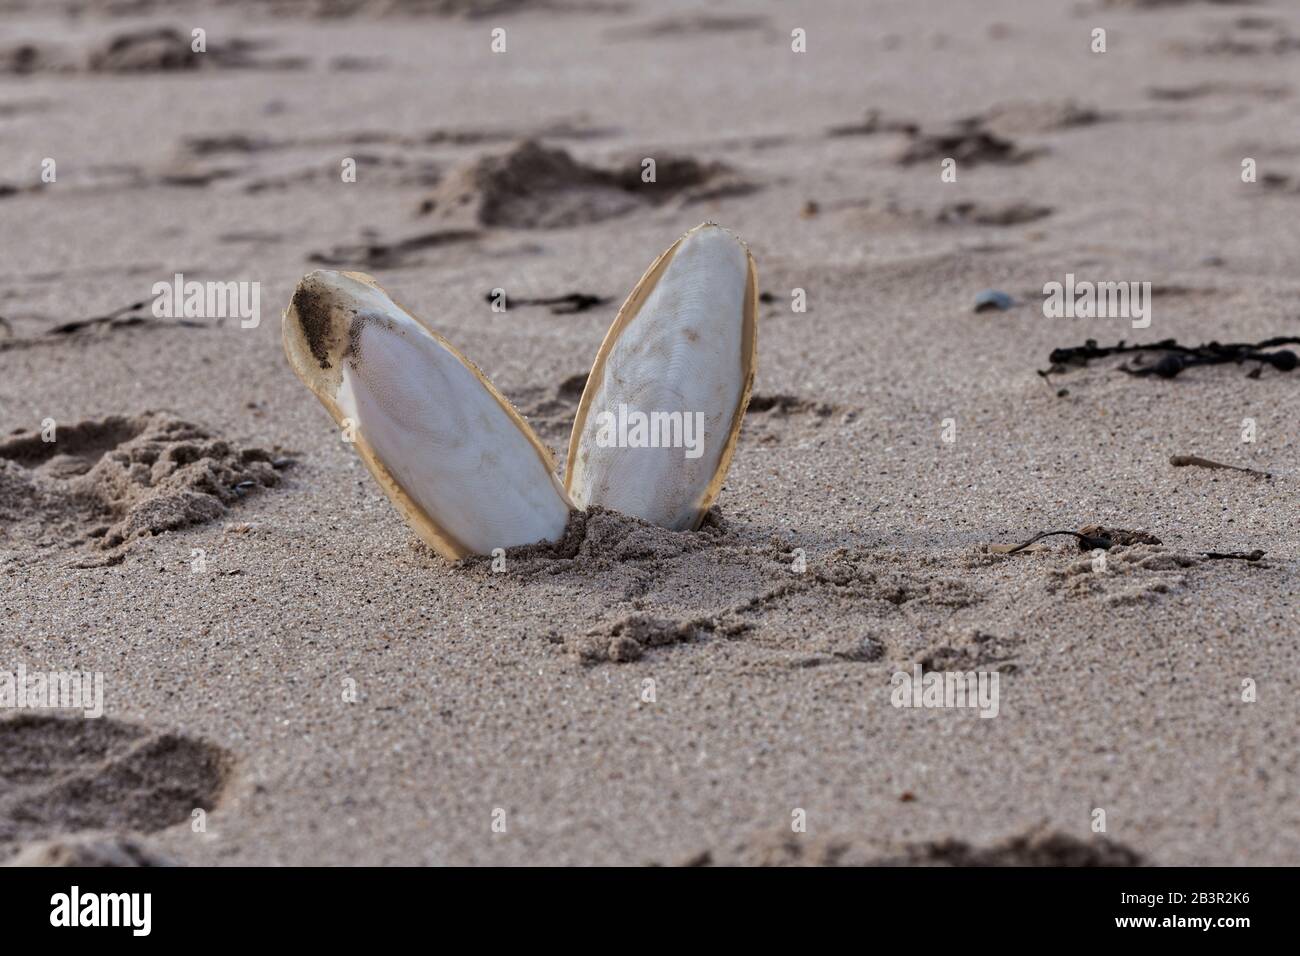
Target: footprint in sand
74 790
773 418
973 650
655 570
109 482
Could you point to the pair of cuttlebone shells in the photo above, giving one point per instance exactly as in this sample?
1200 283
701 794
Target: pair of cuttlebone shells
468 473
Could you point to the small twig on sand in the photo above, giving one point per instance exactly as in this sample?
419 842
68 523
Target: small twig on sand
1182 461
77 325
1093 537
568 304
1086 542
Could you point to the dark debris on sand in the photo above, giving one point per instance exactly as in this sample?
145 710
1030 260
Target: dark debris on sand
969 142
1175 358
1037 846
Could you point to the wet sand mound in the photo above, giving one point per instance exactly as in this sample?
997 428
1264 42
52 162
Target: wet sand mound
535 187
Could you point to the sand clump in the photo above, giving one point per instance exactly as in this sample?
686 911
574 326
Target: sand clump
114 480
974 650
628 638
533 186
598 539
1128 575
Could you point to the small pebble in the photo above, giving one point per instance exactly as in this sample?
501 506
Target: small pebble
993 299
1169 366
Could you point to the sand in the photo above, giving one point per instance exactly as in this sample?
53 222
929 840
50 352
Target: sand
280 653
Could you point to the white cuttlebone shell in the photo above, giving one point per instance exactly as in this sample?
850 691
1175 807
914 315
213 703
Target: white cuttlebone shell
464 470
685 340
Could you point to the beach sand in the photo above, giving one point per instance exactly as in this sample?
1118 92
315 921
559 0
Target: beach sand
328 691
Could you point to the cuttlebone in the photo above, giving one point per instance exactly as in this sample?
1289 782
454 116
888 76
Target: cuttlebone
685 341
459 463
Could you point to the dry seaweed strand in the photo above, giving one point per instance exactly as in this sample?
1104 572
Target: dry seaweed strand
1176 357
568 304
1086 542
125 317
117 316
1182 461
